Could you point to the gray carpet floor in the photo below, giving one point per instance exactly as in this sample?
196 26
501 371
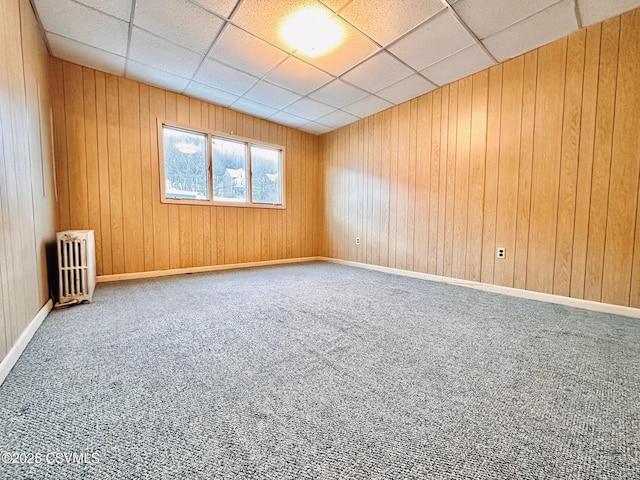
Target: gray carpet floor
322 371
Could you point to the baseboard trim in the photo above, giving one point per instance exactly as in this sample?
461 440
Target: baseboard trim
9 361
210 268
514 292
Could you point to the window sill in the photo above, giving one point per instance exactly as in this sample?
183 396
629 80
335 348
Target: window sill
209 203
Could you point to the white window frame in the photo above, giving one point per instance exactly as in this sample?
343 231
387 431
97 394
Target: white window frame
210 134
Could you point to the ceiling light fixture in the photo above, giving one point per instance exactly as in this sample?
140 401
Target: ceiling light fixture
313 31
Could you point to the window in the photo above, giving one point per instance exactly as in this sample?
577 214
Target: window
199 167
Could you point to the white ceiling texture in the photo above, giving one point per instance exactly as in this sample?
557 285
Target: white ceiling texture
229 52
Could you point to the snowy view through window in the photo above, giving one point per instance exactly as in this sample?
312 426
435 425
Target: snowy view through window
229 170
265 165
185 164
234 171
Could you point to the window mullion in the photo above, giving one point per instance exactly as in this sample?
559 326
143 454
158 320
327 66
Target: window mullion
250 185
210 150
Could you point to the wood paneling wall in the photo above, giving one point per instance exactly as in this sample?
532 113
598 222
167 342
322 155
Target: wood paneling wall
107 158
27 200
540 155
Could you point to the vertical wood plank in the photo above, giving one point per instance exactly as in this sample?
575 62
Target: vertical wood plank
386 188
477 159
434 174
585 160
60 145
442 182
506 210
602 158
452 137
160 211
569 163
147 177
129 109
103 166
461 180
115 175
524 174
91 149
547 144
185 220
494 126
76 147
625 168
401 160
424 182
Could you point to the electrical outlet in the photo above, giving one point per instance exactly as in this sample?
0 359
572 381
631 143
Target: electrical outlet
357 240
501 252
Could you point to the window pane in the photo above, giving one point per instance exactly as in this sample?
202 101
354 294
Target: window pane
229 170
266 170
185 164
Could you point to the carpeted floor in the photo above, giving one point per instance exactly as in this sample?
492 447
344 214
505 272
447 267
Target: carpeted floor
321 371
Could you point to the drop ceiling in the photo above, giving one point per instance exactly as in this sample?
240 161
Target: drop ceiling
229 52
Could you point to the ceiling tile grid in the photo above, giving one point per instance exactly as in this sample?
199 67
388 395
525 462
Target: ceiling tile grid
377 72
222 77
384 20
338 94
246 52
167 19
230 52
298 76
541 28
432 41
163 55
86 55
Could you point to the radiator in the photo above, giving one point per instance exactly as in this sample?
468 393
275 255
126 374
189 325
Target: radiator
76 266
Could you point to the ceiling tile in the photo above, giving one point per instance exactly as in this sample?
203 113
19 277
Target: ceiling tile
84 24
146 74
466 62
436 39
245 52
117 8
217 75
309 109
271 95
221 7
210 94
486 18
163 55
287 119
86 55
378 72
337 119
594 11
354 48
550 24
315 128
384 21
410 87
253 108
179 21
338 94
368 106
298 76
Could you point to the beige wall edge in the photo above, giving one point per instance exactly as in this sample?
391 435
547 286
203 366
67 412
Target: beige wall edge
210 268
12 357
487 287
